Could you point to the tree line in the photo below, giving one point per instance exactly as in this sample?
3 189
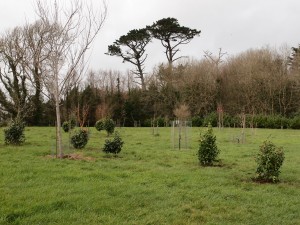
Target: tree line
262 81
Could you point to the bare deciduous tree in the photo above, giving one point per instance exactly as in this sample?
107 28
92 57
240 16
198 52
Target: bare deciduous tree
14 92
73 29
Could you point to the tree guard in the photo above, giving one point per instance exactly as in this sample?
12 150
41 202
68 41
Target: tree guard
180 134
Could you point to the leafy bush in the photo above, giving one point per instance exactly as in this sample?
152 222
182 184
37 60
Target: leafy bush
208 150
14 134
147 123
295 122
80 139
109 126
197 121
230 121
159 122
68 125
269 160
113 146
212 119
65 126
99 125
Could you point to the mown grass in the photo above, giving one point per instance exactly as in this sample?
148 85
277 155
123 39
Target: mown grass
148 183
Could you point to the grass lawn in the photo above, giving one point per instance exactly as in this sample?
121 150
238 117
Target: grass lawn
148 183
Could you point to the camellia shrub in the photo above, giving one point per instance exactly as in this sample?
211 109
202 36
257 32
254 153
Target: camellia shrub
109 126
269 160
105 124
80 139
208 150
68 125
99 125
14 134
113 146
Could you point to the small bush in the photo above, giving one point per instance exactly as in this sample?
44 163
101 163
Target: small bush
160 122
80 139
99 125
113 146
208 150
269 160
65 126
147 123
197 121
212 119
68 125
295 122
109 126
14 134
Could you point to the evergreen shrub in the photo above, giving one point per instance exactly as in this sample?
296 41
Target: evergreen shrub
109 126
68 125
113 146
208 150
269 160
14 134
99 125
80 139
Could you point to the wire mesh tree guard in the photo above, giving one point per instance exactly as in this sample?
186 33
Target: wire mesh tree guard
180 134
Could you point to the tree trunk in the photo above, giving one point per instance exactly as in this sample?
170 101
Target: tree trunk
58 130
57 109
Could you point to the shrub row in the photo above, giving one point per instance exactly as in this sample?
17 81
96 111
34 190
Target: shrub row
259 121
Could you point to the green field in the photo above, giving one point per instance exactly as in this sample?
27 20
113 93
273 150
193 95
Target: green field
148 183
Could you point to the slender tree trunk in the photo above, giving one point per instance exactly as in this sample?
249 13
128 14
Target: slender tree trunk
57 109
58 130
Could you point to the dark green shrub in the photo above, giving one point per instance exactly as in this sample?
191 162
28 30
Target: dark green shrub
99 125
68 125
212 119
109 126
65 126
230 121
208 150
113 146
159 122
269 160
295 122
80 139
285 122
147 123
197 121
14 134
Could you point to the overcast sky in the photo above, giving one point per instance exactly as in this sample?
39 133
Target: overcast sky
233 25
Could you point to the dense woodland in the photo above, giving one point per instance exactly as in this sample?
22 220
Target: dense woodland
259 83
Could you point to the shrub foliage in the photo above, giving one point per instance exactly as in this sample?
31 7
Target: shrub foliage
269 160
80 139
208 150
109 126
99 125
68 125
14 134
105 124
113 146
